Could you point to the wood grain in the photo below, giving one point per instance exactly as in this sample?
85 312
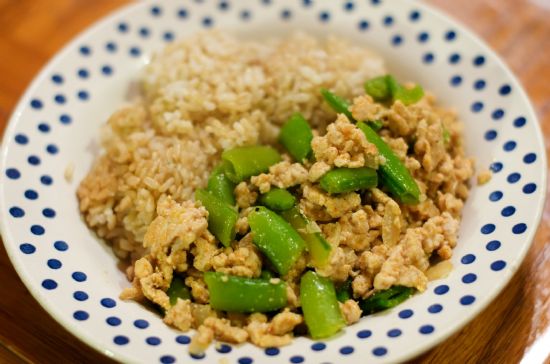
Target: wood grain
510 329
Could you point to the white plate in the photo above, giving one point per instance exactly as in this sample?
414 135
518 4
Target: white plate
57 123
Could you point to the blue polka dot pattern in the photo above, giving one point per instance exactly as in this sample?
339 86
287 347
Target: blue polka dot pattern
318 346
346 350
498 265
57 79
468 259
519 228
141 324
477 106
428 57
49 284
479 61
456 80
379 351
54 263
493 245
43 128
363 25
37 230
36 104
33 160
520 122
496 167
469 278
108 302
488 228
479 84
79 276
505 90
394 333
529 158
509 146
61 245
272 351
65 119
454 58
495 196
97 60
121 340
153 340
497 114
450 35
467 300
490 135
183 339
21 139
529 188
17 212
113 321
27 248
508 211
13 173
167 359
80 296
426 329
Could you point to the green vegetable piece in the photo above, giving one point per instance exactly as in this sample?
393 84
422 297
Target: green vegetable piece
267 274
244 162
277 199
318 248
220 186
393 173
296 136
280 243
341 180
343 293
375 124
446 136
406 96
378 88
221 216
240 294
320 307
383 300
177 289
338 104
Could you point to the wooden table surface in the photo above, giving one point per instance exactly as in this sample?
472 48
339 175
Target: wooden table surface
515 327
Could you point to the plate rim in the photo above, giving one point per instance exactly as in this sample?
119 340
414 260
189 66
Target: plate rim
445 333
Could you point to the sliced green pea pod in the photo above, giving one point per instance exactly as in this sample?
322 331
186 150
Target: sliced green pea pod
393 173
385 299
344 291
318 248
221 216
278 199
378 88
240 294
296 136
342 180
322 313
338 104
244 162
177 289
220 186
276 238
406 96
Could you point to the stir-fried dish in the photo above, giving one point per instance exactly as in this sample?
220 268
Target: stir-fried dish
264 191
